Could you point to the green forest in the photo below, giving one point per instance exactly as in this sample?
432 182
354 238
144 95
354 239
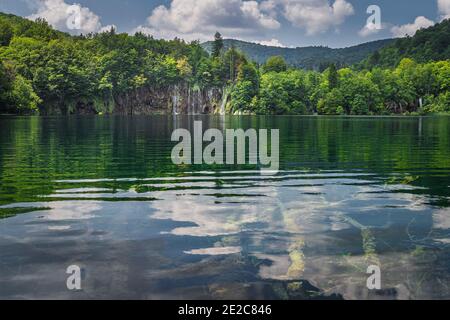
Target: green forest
309 58
42 69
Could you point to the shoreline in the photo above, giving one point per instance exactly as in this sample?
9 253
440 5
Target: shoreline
429 115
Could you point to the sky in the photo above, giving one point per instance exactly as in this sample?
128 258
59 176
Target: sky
287 23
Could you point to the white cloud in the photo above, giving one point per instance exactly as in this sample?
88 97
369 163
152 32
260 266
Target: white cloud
444 8
422 22
272 43
316 16
371 29
60 14
171 34
107 28
411 28
269 7
193 19
368 30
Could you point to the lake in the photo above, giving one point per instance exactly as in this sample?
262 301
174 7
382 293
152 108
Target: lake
102 193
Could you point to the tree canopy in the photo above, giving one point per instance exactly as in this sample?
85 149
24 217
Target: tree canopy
430 44
46 71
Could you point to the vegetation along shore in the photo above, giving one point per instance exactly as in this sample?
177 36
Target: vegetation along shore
47 72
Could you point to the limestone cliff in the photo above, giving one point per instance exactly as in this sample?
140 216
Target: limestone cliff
176 99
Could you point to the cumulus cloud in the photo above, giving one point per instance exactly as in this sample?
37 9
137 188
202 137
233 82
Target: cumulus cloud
444 8
316 16
193 19
422 22
368 30
272 43
107 28
72 18
411 28
371 29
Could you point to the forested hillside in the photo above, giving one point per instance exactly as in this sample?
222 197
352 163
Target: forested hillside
42 69
432 44
48 72
311 58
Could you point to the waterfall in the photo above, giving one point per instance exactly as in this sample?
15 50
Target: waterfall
189 106
196 101
200 101
175 102
224 100
193 99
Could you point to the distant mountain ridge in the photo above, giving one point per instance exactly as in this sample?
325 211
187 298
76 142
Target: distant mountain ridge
316 58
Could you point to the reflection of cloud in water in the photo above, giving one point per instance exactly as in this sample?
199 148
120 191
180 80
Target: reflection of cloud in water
80 210
58 228
302 210
313 212
441 219
379 197
210 219
215 251
277 270
300 228
62 210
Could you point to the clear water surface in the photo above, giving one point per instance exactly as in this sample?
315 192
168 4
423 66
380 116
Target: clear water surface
102 193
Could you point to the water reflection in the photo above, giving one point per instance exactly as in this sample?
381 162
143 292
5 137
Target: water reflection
352 193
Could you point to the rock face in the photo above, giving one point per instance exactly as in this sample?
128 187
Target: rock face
177 99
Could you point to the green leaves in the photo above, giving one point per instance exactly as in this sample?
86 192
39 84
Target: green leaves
217 45
275 64
22 96
6 33
16 93
432 44
283 93
242 96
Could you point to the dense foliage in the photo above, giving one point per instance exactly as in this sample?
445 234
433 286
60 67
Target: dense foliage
61 71
46 71
431 44
408 88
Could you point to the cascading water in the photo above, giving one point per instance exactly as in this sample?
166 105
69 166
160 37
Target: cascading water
194 98
189 104
175 102
224 100
197 101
